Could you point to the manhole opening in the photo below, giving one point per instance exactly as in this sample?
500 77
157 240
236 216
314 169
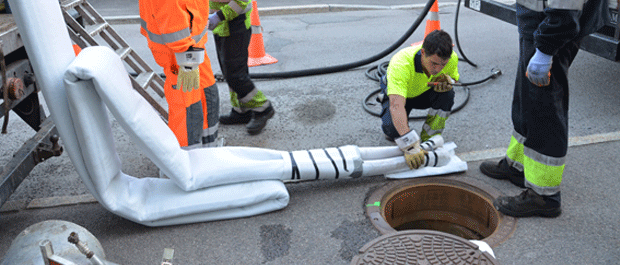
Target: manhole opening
446 205
442 208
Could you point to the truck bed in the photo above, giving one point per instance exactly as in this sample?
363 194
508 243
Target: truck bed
8 34
604 43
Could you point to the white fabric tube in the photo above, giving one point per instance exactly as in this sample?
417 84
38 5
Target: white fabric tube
328 163
200 187
46 39
204 184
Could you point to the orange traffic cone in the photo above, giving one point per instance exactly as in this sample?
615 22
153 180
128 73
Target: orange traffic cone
432 23
256 51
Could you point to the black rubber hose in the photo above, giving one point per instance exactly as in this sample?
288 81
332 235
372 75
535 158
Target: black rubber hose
381 69
456 35
343 67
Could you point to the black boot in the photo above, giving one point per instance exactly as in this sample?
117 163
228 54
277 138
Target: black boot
501 170
236 118
259 120
529 203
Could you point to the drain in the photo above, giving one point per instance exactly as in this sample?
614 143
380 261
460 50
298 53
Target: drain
421 247
459 206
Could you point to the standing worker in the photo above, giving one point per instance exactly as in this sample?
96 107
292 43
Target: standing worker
549 36
230 22
406 84
176 31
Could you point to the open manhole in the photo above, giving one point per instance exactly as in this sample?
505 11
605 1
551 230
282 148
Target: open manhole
460 206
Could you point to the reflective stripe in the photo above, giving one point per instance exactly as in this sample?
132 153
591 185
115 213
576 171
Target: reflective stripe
514 154
235 7
256 29
197 38
430 132
544 159
211 130
543 173
540 5
248 97
172 37
438 112
434 16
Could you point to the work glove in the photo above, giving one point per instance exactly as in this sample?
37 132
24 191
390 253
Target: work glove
189 75
538 70
214 19
442 83
410 145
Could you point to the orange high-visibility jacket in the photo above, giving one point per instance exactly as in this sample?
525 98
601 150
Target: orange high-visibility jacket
172 26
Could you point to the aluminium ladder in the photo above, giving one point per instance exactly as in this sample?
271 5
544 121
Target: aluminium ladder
87 24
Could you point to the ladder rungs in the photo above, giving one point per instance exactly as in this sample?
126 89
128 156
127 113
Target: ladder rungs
98 28
143 79
70 4
123 52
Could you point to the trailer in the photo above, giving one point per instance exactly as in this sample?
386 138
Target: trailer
19 93
604 43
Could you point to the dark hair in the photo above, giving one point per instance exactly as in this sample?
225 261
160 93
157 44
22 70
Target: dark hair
438 42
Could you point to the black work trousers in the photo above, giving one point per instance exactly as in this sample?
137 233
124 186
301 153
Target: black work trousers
232 55
540 114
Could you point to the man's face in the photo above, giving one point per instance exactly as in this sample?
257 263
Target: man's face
433 64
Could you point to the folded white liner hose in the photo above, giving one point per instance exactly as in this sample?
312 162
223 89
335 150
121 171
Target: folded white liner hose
204 184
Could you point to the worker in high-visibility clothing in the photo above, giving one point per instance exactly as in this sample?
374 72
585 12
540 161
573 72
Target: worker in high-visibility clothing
549 36
176 31
405 86
230 22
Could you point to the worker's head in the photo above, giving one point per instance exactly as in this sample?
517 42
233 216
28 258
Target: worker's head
436 51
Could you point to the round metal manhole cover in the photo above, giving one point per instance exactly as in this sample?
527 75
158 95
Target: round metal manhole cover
459 205
421 247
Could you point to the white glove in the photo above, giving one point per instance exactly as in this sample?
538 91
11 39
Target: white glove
538 70
214 19
189 74
409 143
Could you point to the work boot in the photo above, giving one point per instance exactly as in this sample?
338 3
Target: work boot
259 120
528 204
236 118
502 170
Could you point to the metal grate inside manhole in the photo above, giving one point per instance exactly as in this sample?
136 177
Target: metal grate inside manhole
421 247
460 206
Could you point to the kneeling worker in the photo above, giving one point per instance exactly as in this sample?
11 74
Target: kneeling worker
406 85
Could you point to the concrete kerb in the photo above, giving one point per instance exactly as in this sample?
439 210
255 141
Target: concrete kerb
291 10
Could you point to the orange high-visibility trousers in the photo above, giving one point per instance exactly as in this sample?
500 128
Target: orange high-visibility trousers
173 26
189 117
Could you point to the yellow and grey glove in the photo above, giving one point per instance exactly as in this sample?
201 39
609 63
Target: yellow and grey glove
442 83
410 145
189 74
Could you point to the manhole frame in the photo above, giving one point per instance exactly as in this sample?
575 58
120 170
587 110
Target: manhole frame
506 224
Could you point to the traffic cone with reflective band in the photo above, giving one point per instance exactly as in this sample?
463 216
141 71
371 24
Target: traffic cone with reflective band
256 51
432 23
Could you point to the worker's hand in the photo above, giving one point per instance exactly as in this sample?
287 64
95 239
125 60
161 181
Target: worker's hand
189 74
214 19
539 69
415 156
443 83
409 143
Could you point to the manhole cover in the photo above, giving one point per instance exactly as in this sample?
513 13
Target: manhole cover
421 247
460 206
